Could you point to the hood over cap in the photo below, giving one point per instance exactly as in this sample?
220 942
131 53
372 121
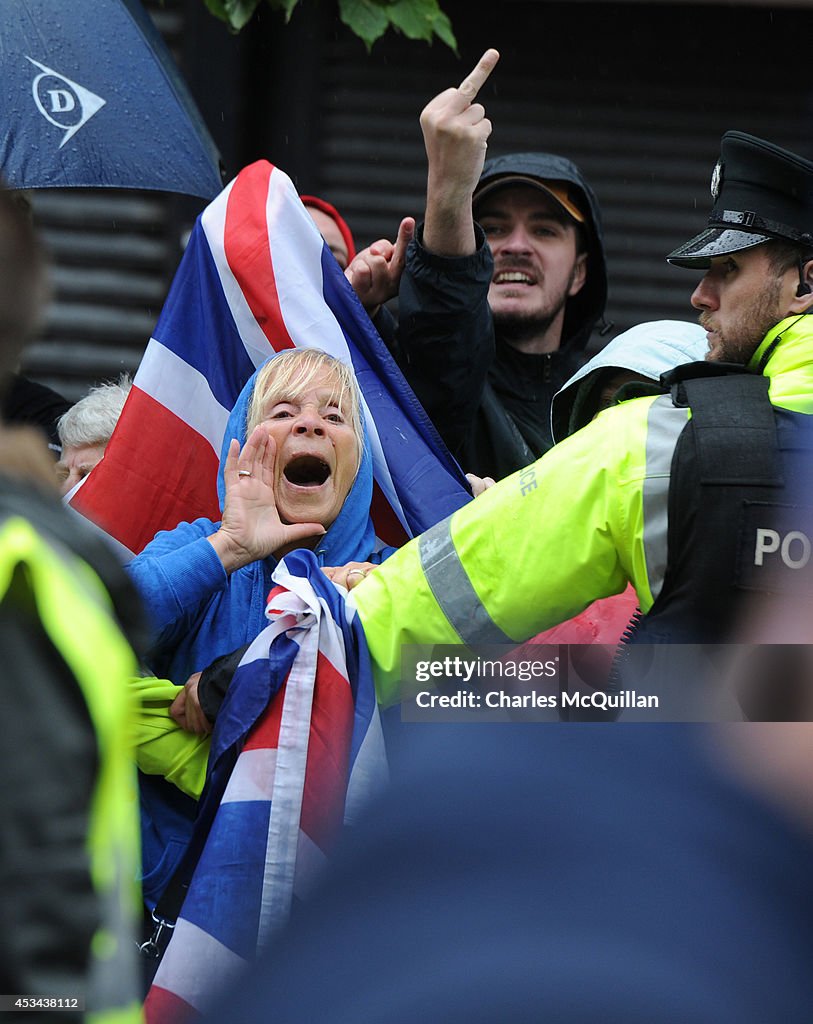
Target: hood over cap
351 536
648 349
760 191
562 179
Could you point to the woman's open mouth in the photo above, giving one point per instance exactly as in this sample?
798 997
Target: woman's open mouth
307 471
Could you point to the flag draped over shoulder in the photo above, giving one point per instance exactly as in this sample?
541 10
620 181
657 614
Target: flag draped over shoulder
256 278
297 743
304 699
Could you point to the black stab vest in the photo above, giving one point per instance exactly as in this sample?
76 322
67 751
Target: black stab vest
740 520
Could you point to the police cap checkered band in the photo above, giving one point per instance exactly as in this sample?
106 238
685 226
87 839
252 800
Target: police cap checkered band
760 191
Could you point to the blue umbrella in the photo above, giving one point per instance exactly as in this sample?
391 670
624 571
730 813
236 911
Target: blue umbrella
92 98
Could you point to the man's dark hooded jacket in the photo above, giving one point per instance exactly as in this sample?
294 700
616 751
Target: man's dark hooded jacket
489 401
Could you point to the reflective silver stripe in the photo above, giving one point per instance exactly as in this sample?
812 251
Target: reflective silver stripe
665 424
452 588
114 981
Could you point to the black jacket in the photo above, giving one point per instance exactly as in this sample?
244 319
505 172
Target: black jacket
489 402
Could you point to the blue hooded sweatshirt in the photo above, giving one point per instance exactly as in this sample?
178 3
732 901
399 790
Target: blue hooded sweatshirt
196 611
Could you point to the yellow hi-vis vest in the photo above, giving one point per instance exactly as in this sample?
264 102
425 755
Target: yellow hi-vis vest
75 611
588 517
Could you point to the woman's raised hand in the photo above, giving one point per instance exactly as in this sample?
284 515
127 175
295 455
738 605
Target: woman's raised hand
251 528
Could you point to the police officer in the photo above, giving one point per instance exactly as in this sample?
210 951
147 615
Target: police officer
677 493
69 854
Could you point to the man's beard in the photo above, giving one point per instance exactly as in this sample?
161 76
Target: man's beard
744 334
518 328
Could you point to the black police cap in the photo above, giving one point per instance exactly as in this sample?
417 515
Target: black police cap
760 191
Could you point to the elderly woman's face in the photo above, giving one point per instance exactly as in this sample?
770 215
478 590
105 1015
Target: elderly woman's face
316 452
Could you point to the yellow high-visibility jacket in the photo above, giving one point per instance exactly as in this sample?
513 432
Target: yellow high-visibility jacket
72 712
580 523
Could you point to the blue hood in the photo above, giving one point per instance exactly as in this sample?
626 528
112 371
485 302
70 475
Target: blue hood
351 538
649 349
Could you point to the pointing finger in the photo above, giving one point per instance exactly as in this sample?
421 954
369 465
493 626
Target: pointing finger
406 229
475 81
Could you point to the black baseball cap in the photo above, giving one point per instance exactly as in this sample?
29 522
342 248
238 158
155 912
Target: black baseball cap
760 191
554 175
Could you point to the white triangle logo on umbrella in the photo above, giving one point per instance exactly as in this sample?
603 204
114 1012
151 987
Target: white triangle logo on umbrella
62 98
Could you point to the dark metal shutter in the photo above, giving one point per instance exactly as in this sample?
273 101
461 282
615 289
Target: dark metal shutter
637 95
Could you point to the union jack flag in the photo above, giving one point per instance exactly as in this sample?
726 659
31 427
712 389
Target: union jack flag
256 278
303 698
297 743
